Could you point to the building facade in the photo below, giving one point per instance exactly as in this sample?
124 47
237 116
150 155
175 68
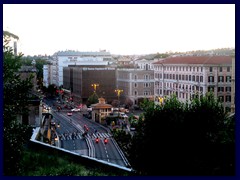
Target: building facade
64 58
136 83
80 80
233 85
185 76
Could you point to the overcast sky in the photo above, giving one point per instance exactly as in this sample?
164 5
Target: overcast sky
120 29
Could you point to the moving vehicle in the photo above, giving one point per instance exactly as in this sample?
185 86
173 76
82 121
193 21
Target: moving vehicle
69 113
105 140
75 110
97 140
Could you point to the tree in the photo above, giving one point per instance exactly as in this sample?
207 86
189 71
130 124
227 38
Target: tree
93 99
183 139
115 103
128 102
15 99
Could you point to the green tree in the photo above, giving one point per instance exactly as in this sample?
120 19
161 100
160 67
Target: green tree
15 98
184 139
93 99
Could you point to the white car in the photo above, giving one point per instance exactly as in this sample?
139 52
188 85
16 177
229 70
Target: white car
69 113
76 110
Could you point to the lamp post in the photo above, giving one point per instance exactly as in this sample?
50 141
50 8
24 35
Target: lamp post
118 91
95 85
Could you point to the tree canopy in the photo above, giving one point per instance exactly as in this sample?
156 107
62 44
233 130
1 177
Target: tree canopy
15 98
183 139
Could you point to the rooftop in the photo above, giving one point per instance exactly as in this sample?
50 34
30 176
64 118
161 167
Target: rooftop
196 60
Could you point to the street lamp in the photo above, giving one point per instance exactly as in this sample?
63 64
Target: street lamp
118 91
95 86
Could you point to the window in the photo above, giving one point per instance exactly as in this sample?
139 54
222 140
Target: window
210 79
135 93
220 89
228 98
201 78
193 78
135 84
220 69
220 78
146 93
179 76
228 89
135 77
228 78
197 78
190 78
228 69
183 77
147 84
210 69
186 78
210 89
147 67
146 77
220 98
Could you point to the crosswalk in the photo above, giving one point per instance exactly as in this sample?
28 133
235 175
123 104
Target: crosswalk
72 136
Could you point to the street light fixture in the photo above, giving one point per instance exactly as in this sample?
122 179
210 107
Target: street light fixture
118 91
95 85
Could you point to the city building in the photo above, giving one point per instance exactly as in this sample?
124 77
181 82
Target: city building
185 76
233 85
33 117
64 58
100 111
136 83
80 82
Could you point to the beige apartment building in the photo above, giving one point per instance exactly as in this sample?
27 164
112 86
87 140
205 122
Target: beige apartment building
185 76
136 83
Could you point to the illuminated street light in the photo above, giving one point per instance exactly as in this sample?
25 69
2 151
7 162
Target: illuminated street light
95 86
118 91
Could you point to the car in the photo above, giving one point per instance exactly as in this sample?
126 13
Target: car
105 141
69 113
76 110
97 140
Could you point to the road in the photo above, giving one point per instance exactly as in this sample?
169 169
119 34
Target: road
70 135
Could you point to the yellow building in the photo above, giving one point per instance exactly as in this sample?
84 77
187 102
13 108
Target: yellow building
100 110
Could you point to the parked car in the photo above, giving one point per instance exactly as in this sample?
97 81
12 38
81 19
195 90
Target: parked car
75 110
69 113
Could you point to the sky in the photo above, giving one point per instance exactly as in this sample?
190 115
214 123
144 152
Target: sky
124 29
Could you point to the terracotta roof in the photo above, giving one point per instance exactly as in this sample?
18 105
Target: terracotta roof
101 106
197 60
